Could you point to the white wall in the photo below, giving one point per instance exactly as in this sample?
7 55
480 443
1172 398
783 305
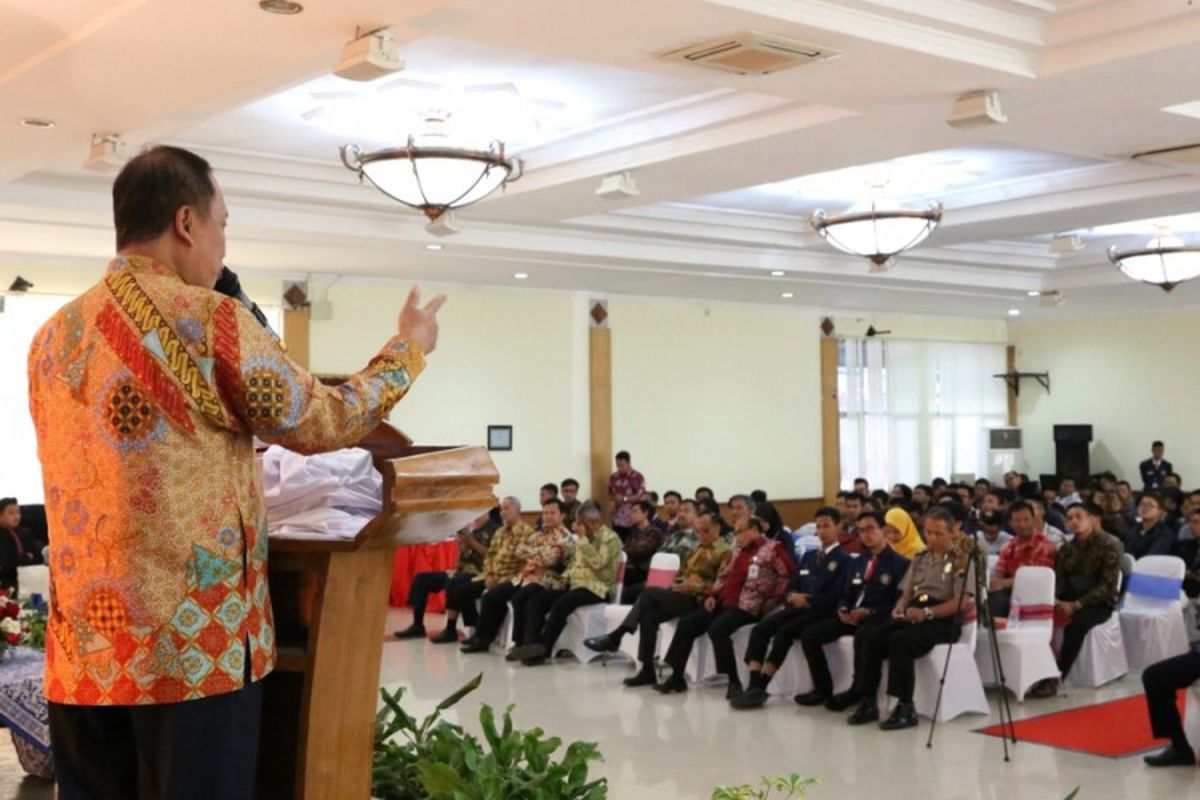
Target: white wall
907 326
722 395
1131 377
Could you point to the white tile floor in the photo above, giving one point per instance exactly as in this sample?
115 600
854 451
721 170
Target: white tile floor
682 746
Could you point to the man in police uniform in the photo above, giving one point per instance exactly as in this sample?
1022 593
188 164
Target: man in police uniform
869 597
812 597
928 613
1155 469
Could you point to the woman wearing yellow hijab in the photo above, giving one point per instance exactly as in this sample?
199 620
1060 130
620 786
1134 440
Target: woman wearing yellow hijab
902 532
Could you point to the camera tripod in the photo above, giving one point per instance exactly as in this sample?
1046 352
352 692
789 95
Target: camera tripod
974 572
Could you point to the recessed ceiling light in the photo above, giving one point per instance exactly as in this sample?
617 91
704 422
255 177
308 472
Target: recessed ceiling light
777 273
1014 312
284 7
1034 293
41 124
434 247
521 275
787 295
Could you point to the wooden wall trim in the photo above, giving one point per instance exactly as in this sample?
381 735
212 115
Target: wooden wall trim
831 457
1011 356
295 335
600 410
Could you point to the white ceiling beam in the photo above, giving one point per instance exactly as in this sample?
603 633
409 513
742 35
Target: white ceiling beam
976 17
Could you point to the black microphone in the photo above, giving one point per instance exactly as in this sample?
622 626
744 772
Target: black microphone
228 284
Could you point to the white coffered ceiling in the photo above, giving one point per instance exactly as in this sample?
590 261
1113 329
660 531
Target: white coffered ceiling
729 166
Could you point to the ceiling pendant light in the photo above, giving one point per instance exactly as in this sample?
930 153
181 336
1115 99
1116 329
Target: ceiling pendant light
429 174
1165 261
877 228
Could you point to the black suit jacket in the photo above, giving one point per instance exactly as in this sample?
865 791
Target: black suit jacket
879 594
823 582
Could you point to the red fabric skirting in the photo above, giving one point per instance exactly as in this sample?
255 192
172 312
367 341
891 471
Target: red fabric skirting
411 559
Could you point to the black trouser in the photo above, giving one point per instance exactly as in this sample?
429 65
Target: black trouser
655 606
520 606
461 598
1000 602
1076 631
200 749
1162 681
813 640
720 624
493 609
425 584
546 613
900 643
780 631
631 592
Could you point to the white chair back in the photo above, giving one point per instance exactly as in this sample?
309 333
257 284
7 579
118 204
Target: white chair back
663 569
806 543
1032 599
1155 584
993 560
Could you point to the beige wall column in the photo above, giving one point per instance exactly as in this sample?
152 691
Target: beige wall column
600 398
831 455
1011 367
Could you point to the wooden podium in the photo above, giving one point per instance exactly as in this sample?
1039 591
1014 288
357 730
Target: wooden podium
330 599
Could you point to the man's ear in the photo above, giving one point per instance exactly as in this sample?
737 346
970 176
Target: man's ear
185 220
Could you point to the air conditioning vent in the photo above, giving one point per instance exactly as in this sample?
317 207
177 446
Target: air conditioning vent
750 53
1187 155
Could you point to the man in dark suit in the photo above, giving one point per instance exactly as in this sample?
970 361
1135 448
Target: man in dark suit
1155 469
812 597
18 547
868 599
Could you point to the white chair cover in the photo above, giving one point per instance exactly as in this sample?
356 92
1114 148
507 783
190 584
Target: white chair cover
963 692
1026 656
1152 620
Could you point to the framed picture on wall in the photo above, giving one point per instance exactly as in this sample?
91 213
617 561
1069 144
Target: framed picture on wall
499 437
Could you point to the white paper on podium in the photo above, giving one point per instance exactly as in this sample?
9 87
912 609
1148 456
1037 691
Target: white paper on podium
325 495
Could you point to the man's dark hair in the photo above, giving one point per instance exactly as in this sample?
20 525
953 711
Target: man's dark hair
953 507
652 497
936 482
924 487
875 515
1020 505
992 518
705 489
687 501
945 513
905 491
1178 478
570 482
745 498
984 481
550 487
559 504
857 481
1157 443
758 496
1125 483
155 184
5 502
624 456
830 512
853 497
711 513
1091 509
647 508
673 493
1155 496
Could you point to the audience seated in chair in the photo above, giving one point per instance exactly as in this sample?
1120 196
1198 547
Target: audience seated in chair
18 546
813 597
544 556
850 505
657 605
902 533
682 539
672 500
869 597
590 576
642 542
750 585
1086 574
1028 548
1153 536
500 565
571 503
991 534
473 543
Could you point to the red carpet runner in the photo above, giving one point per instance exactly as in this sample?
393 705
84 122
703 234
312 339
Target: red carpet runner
1114 729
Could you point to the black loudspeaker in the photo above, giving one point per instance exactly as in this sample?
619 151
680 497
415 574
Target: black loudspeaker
1071 451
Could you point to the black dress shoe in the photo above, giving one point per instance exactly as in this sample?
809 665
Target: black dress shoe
447 636
642 678
866 712
1172 757
533 661
411 632
522 652
734 689
1043 689
671 685
476 646
903 716
608 643
813 698
842 700
754 697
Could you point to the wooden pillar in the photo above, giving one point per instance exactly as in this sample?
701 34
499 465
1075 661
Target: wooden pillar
831 454
295 335
600 398
1011 368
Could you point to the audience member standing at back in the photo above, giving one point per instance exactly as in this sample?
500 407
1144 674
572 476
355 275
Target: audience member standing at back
626 486
1155 469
